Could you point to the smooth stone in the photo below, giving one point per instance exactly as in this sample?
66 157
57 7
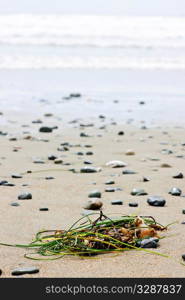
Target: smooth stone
7 184
14 204
117 202
87 162
175 191
179 176
90 170
25 196
183 211
22 271
95 194
166 151
183 223
110 182
138 192
148 243
128 172
45 129
49 178
16 176
121 133
116 164
93 204
156 201
58 161
44 209
133 204
129 152
52 157
165 165
39 161
89 153
110 190
1 272
83 134
183 256
146 179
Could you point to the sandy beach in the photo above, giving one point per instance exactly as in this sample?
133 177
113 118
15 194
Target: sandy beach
25 149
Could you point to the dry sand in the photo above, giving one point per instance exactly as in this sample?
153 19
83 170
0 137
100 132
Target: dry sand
66 194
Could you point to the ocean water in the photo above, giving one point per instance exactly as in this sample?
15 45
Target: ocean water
91 42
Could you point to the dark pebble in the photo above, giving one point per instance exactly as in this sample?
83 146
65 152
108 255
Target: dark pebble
110 182
44 209
95 194
175 191
128 172
25 196
45 129
14 204
16 176
117 202
178 176
110 190
52 157
121 133
183 211
148 243
138 192
49 178
133 204
156 201
22 271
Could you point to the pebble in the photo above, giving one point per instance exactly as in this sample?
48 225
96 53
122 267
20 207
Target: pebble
45 129
49 178
39 161
128 172
165 165
146 179
52 157
129 152
179 176
16 176
175 191
94 204
25 196
138 192
116 164
44 209
183 211
133 204
58 161
14 204
110 182
156 201
90 170
22 271
110 189
95 194
183 256
121 133
87 162
117 202
148 243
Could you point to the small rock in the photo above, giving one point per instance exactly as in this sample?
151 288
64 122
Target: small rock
95 194
138 192
110 190
94 204
179 176
22 271
117 202
58 161
25 196
16 176
148 243
183 211
116 164
49 178
128 172
165 165
87 162
175 191
133 204
129 152
14 204
156 201
44 209
109 182
46 129
52 157
146 179
121 133
90 170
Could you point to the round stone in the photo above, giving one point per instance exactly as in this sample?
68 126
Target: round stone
156 201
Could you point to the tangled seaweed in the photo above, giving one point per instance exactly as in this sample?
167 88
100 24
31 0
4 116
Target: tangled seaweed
103 235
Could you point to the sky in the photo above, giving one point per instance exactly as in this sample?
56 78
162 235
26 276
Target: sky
100 7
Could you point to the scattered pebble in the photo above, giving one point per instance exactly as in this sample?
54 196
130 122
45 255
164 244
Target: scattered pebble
116 164
156 201
25 196
117 202
138 192
175 191
95 194
133 204
25 270
178 176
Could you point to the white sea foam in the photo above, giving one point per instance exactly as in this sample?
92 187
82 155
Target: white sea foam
57 41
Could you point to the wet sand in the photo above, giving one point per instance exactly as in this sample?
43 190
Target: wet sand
66 194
